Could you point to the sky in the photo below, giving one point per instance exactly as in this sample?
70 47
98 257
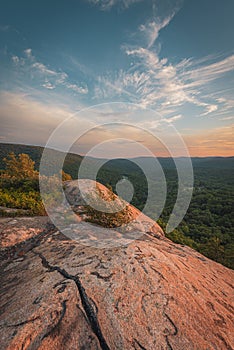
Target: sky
156 66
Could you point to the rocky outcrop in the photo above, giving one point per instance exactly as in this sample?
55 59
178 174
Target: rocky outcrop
134 220
151 294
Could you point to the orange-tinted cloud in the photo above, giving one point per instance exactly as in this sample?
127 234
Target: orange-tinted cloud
216 142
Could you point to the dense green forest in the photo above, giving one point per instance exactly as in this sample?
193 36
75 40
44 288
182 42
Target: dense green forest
207 226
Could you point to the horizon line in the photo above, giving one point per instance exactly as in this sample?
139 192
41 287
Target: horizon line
140 156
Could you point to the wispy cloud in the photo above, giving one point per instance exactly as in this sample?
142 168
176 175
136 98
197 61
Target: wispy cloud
173 119
76 88
208 72
28 53
48 85
150 80
210 109
152 28
9 28
155 82
106 5
25 120
5 28
50 78
15 59
218 141
228 118
28 120
225 104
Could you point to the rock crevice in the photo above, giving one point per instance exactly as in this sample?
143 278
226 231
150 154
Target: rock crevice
152 294
87 306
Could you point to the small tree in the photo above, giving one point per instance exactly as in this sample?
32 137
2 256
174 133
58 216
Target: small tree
213 249
21 167
66 176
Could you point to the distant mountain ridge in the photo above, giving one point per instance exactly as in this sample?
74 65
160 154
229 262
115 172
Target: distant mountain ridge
208 223
73 160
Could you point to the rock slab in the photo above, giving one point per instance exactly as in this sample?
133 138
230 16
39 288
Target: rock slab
152 294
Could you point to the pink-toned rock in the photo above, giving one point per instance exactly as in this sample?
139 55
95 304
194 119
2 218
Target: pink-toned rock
151 294
135 219
14 231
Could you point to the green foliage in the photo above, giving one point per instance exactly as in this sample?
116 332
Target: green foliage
71 163
31 200
110 220
102 217
19 185
213 249
21 167
178 237
207 226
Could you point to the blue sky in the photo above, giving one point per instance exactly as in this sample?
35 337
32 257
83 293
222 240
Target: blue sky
173 57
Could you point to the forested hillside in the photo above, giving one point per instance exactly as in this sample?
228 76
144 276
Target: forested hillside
208 224
35 152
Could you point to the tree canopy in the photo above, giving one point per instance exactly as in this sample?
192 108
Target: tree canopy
19 167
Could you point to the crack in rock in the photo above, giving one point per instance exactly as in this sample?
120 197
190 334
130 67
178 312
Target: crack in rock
168 343
23 322
139 344
89 311
98 275
172 323
174 333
